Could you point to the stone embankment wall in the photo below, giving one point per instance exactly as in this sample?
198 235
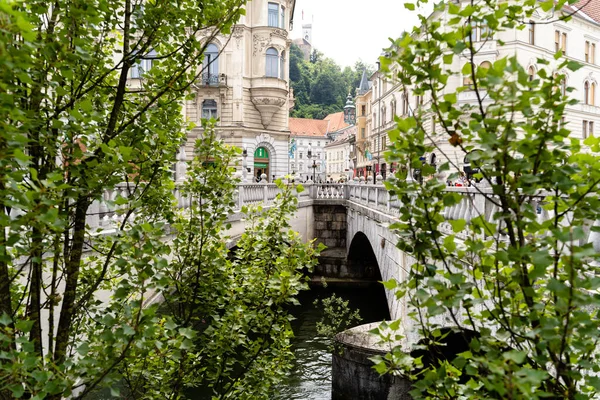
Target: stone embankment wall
353 375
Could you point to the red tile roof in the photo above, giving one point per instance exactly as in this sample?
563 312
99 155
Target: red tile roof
591 8
336 121
308 127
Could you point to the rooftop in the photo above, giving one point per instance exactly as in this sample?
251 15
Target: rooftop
308 127
591 8
336 121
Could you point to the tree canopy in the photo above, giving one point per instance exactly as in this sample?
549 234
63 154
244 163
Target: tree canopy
320 85
515 279
90 125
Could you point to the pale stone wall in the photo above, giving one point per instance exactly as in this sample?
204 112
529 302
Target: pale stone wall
251 107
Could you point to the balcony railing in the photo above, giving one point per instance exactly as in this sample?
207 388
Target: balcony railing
209 79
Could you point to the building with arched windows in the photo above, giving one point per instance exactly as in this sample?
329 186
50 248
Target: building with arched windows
244 84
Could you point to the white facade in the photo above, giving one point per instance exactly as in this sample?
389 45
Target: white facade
578 34
299 163
339 156
247 88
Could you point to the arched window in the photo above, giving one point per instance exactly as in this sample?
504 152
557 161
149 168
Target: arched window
282 65
586 92
485 65
593 94
531 72
393 107
405 104
272 62
210 76
209 109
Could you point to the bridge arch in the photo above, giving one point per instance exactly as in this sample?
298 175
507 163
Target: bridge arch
362 262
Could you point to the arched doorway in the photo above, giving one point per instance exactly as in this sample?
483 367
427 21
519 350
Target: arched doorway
261 163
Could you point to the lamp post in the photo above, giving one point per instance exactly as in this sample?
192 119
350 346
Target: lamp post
244 164
309 156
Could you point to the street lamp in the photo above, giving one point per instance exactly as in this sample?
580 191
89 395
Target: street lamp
309 156
244 164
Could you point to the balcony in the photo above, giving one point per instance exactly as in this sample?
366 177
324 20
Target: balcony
214 80
268 96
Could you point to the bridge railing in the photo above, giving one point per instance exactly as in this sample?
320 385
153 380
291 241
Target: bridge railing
109 212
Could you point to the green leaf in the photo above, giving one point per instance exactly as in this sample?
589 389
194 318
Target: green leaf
5 319
458 225
409 6
390 284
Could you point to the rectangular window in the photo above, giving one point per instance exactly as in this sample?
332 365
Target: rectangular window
282 17
274 15
556 41
532 32
301 155
486 32
563 44
584 127
362 133
593 53
587 52
591 128
363 110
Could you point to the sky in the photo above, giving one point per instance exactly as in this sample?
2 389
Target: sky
348 30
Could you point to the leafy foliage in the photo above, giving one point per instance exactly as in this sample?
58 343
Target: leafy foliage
515 279
79 307
320 85
337 316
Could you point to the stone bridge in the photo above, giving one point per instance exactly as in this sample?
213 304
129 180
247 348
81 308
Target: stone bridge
353 221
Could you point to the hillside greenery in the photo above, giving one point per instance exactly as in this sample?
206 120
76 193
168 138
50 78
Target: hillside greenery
320 85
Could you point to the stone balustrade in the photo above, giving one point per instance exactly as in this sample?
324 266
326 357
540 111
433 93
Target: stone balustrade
476 201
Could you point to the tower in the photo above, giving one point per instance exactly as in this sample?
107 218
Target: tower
307 32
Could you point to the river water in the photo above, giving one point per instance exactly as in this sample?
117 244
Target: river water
311 375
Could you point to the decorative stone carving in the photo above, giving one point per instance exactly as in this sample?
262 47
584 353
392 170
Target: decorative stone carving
279 32
238 34
260 43
267 106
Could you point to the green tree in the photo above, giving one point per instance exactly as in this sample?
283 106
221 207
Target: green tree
520 290
320 86
76 307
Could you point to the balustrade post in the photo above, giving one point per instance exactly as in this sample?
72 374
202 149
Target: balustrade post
240 197
93 219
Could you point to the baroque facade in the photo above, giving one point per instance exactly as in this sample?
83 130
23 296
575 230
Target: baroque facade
578 38
244 82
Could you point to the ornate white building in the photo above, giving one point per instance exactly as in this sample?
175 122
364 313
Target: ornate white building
245 84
